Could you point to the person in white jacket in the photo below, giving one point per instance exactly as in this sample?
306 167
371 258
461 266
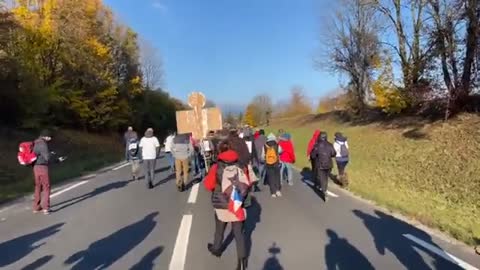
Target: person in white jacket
168 151
342 157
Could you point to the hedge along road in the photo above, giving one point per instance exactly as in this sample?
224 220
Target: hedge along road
111 222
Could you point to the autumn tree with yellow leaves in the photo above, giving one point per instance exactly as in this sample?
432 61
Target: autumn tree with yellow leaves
71 63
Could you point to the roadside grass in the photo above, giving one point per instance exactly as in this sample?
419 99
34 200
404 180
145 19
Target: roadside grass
86 153
430 172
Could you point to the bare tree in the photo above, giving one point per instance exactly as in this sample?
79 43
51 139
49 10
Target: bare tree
352 46
448 16
412 45
264 106
151 65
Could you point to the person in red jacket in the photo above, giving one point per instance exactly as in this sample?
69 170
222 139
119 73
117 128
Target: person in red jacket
287 157
311 144
225 216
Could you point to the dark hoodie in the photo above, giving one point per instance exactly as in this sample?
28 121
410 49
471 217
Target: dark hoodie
239 146
259 143
323 153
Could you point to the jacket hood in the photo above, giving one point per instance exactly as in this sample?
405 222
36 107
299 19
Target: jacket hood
271 137
228 156
339 137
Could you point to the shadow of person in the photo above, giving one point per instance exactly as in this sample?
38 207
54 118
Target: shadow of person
147 262
93 193
254 213
341 255
272 263
17 248
104 252
307 174
388 233
38 263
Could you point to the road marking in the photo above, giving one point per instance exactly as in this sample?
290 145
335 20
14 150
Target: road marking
68 188
192 198
180 250
121 166
447 256
310 183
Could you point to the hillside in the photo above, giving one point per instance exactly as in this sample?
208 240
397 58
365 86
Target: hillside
86 152
426 169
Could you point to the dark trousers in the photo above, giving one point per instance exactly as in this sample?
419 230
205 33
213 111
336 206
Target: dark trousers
314 170
237 228
149 166
42 183
272 174
341 165
322 179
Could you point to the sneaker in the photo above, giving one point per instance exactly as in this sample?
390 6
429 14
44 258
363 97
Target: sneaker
274 195
279 194
36 211
46 212
290 183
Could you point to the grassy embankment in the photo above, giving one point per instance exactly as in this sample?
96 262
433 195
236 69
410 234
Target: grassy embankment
86 152
428 171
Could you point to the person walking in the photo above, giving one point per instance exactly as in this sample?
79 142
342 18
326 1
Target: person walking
168 151
150 149
182 150
287 158
238 145
134 157
342 157
323 153
41 172
310 146
258 158
129 134
229 185
271 153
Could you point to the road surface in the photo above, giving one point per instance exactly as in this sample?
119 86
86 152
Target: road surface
110 222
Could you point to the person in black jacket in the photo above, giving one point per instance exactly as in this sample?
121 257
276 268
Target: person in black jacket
323 153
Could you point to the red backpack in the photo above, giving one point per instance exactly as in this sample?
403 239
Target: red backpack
25 155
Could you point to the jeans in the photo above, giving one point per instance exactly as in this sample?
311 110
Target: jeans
149 166
171 160
237 228
286 168
341 165
195 164
42 183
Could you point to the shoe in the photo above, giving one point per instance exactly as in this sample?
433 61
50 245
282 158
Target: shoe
215 253
242 264
46 212
134 178
279 194
180 188
290 183
274 195
150 185
36 211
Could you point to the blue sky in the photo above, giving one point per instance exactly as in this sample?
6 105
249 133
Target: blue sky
233 49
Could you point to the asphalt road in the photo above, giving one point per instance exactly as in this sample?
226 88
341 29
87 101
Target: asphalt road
111 222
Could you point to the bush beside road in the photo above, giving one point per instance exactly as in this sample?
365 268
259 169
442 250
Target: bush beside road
428 171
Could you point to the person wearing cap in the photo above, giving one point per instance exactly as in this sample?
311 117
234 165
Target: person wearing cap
150 148
323 153
41 172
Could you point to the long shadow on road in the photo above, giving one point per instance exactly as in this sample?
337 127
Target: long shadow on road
93 193
341 255
16 249
37 264
104 252
147 262
388 233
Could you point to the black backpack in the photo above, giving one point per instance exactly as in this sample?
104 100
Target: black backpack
323 155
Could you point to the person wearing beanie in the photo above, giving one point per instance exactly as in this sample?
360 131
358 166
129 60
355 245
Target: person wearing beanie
41 172
271 156
150 148
322 153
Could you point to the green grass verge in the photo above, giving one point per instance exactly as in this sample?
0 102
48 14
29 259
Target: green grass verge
86 153
430 172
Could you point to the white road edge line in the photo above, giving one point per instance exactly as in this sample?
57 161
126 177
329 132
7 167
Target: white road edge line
68 188
192 198
180 250
447 256
310 183
121 166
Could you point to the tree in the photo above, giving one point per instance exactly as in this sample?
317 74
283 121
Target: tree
151 65
298 103
240 118
353 47
230 119
249 117
264 107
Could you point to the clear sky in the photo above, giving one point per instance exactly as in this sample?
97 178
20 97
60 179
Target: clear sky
233 49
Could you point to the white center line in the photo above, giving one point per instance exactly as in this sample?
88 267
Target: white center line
310 183
447 256
192 198
121 166
68 188
180 250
